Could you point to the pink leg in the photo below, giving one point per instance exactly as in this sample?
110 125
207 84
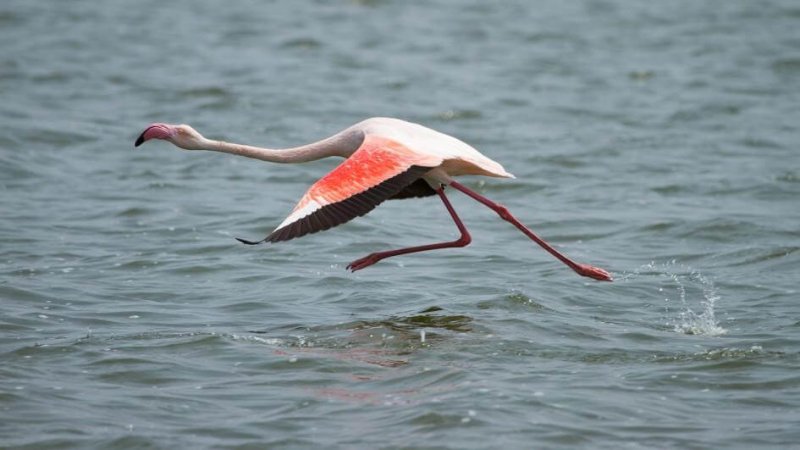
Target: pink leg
582 269
463 241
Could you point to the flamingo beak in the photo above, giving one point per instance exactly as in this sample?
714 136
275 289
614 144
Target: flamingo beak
155 131
140 139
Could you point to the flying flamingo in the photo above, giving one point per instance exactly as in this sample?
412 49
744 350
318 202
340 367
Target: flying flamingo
385 159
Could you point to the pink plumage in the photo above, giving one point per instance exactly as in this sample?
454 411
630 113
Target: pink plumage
385 159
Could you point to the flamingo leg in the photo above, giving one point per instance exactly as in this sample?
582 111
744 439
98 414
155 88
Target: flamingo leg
462 241
581 269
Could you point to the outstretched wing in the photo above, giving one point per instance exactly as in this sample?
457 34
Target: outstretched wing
380 169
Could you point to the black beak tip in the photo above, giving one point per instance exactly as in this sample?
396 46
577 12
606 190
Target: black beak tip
139 140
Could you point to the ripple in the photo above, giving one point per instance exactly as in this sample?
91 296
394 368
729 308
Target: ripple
733 355
452 114
641 75
57 138
10 18
205 92
786 66
718 230
788 177
760 142
754 256
305 43
703 113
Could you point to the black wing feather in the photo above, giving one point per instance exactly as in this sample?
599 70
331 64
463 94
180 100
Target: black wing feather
419 188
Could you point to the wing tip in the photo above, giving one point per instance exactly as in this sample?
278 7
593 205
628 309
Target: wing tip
245 241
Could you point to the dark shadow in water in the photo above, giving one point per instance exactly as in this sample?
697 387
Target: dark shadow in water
425 319
384 342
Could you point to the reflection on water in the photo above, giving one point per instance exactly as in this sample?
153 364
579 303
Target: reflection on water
382 342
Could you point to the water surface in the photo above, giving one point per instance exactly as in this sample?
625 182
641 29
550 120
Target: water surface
658 140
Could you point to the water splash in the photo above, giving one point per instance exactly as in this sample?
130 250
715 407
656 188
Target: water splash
686 284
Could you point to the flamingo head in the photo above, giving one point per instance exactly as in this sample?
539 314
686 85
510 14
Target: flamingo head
182 136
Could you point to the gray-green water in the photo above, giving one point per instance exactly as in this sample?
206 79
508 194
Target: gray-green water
656 139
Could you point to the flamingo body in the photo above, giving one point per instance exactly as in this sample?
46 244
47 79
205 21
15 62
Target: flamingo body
456 156
385 159
390 148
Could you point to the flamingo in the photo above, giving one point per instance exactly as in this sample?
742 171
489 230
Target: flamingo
385 158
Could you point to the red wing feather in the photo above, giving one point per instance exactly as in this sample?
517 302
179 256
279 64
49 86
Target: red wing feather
380 169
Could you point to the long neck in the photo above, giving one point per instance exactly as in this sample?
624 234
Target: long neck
342 144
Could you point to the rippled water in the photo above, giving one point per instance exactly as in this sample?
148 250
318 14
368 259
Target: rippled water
656 139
